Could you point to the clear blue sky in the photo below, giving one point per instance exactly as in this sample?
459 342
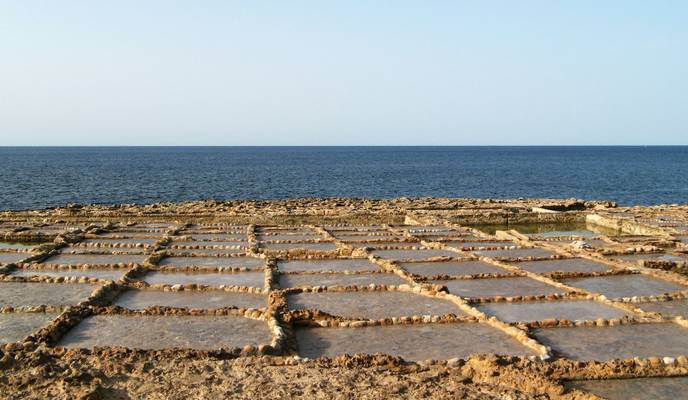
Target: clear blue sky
348 72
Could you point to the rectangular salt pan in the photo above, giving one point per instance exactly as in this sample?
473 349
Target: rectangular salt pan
468 245
563 265
249 279
18 246
10 258
622 341
112 274
507 287
94 259
14 327
330 264
452 268
542 310
515 253
293 237
174 251
421 254
372 305
213 262
309 280
636 389
411 342
142 299
625 285
17 294
160 332
669 309
322 246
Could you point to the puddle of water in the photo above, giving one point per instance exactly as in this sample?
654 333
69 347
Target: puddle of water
14 327
541 310
249 279
8 257
421 254
372 305
213 262
351 264
564 265
452 268
287 281
288 237
322 246
669 309
112 274
412 342
94 259
624 285
159 332
141 299
515 253
18 246
18 294
623 341
478 244
507 287
636 389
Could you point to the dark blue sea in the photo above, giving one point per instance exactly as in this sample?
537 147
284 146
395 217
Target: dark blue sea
34 177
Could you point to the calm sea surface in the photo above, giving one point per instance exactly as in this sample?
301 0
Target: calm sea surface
45 177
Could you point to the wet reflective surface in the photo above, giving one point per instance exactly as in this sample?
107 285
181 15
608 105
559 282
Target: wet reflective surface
520 286
625 285
9 258
241 243
287 281
467 245
322 246
112 274
287 237
18 294
412 342
249 278
565 265
94 259
175 252
669 309
14 327
623 341
541 310
514 253
18 246
141 299
452 268
157 332
636 258
421 254
214 262
327 265
636 389
372 305
129 241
